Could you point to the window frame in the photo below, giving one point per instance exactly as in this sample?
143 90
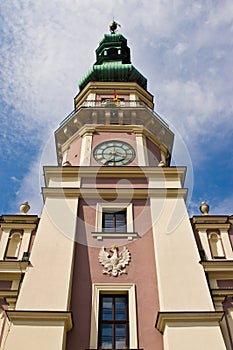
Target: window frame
129 233
112 288
114 321
115 228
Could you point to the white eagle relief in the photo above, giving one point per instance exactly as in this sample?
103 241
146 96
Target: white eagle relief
114 265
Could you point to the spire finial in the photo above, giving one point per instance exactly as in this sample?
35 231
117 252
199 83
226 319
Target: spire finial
113 27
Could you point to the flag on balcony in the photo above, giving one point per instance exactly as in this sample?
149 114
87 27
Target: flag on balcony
115 95
116 98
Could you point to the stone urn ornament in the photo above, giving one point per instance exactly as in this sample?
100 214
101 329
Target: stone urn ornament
24 208
204 208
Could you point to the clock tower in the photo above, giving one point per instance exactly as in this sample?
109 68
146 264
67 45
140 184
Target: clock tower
114 264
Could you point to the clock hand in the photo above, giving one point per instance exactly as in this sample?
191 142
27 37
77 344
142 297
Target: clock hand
120 154
116 152
108 159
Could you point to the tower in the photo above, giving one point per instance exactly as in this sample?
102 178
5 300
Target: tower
115 263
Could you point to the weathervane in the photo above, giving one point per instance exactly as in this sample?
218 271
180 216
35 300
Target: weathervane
113 27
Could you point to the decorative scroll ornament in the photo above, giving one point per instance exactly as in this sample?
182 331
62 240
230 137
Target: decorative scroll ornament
114 264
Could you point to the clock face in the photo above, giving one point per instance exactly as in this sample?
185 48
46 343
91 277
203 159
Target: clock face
114 153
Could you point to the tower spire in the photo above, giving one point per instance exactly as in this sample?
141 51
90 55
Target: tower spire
113 62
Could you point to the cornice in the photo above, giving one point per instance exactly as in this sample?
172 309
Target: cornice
21 219
9 293
181 317
217 266
119 193
166 173
46 318
18 226
210 219
212 225
17 267
222 292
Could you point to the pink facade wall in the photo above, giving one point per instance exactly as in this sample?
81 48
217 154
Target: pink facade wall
154 154
141 271
87 221
73 154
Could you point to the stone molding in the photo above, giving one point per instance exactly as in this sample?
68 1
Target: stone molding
218 265
176 318
102 235
19 222
119 193
165 173
212 226
43 318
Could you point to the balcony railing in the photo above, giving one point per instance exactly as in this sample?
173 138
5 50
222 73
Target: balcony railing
111 103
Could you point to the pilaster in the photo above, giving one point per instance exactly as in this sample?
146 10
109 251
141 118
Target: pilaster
85 156
3 242
141 148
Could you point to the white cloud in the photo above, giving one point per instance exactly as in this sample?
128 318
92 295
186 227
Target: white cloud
30 186
14 179
180 48
30 190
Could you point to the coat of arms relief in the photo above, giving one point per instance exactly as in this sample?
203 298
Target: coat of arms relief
114 264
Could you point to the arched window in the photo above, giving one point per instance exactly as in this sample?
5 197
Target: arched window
216 247
112 51
13 245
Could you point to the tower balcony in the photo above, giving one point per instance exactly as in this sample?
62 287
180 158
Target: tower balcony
116 105
126 116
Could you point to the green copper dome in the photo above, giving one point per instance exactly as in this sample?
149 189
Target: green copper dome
113 63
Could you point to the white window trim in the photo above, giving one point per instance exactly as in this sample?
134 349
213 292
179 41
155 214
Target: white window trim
97 289
100 207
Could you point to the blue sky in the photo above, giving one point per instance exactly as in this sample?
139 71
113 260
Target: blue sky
184 48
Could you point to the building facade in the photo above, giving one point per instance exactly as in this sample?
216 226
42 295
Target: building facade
114 261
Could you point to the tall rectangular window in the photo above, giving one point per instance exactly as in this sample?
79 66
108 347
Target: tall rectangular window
113 322
114 221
